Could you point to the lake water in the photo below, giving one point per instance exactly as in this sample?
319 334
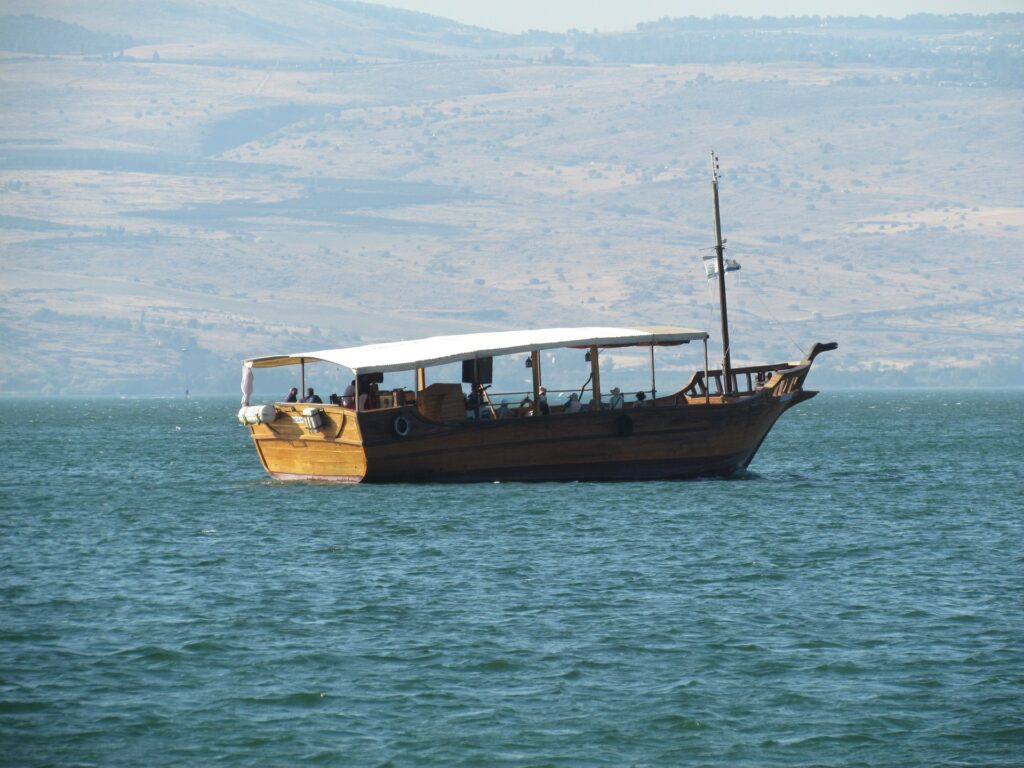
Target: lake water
855 600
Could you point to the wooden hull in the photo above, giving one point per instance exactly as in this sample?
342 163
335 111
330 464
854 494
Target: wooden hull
664 441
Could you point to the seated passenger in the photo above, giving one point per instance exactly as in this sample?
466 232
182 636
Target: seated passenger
293 395
348 397
640 398
542 401
504 412
311 397
573 404
372 397
617 400
470 402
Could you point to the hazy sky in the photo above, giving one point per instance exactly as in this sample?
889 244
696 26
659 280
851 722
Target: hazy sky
617 15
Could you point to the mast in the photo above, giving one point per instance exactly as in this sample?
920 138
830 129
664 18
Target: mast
720 263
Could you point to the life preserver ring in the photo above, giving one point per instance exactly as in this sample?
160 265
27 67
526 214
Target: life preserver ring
401 426
624 425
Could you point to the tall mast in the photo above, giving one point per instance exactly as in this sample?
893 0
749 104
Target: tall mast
720 260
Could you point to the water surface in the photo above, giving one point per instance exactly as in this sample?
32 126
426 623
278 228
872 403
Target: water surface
855 600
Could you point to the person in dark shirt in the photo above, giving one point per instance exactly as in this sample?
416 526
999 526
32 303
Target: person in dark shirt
542 401
311 397
293 395
372 396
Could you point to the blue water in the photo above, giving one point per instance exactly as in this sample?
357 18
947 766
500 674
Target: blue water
856 600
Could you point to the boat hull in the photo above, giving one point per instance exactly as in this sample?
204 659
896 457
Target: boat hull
695 439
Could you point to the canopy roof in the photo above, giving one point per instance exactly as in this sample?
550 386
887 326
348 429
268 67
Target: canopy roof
437 350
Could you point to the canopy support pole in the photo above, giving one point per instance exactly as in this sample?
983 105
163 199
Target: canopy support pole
477 389
654 385
302 378
707 384
595 376
535 367
421 379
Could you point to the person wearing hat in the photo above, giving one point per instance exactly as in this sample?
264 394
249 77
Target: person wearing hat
573 404
616 401
503 410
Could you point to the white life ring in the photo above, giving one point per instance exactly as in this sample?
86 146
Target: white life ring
401 426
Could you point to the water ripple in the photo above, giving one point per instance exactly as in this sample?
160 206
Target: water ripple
853 601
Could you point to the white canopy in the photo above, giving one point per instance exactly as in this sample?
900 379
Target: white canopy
437 350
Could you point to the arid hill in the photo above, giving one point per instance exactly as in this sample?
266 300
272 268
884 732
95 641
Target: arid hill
182 186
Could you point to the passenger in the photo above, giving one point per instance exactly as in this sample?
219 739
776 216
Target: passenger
372 397
293 395
542 401
525 407
470 402
573 404
640 398
504 412
616 401
311 397
348 397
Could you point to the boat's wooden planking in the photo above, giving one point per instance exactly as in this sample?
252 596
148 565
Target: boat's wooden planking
288 449
661 441
604 445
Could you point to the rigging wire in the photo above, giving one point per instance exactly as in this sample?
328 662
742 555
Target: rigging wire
766 315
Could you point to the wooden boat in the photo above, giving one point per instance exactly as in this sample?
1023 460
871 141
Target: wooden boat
712 426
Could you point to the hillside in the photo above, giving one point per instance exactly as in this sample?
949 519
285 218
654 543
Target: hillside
203 183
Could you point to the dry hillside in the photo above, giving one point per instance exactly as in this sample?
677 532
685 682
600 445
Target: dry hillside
182 186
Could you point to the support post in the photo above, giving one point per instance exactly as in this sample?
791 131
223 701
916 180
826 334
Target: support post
707 384
302 378
477 393
421 379
595 379
535 367
654 383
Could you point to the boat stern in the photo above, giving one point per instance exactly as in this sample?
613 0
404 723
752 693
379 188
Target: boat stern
299 441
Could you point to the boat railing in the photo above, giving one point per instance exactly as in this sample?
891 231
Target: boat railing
779 377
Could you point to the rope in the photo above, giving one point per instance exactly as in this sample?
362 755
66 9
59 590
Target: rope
766 315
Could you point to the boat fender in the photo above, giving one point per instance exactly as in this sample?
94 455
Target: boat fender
313 417
257 414
401 426
624 425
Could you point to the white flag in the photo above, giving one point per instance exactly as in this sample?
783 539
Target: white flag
711 266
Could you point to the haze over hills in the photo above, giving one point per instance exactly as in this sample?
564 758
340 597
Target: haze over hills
185 185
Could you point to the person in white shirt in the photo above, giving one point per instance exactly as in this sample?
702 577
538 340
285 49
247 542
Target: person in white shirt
348 398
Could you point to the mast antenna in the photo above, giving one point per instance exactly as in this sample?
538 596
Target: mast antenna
720 263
